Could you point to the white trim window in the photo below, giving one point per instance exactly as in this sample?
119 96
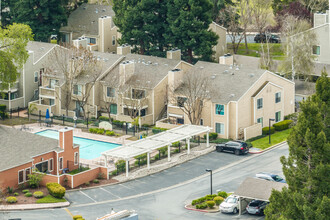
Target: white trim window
60 163
277 97
77 89
76 158
220 128
113 40
111 92
261 121
278 116
202 122
316 50
50 164
35 77
27 173
20 176
259 103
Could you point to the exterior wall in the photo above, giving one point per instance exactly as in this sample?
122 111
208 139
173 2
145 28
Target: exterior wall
323 40
252 131
106 32
233 120
47 157
84 177
10 177
163 124
66 143
158 99
221 46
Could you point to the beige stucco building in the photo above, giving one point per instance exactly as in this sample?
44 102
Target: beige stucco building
244 101
92 27
26 87
221 47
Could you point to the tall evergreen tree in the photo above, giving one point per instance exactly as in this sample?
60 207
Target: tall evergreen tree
142 24
189 21
307 169
45 17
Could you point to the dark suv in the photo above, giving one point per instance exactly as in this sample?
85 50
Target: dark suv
237 147
271 38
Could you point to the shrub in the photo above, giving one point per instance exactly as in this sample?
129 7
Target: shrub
11 199
218 200
100 176
100 131
10 190
103 118
114 173
38 194
282 125
25 191
35 178
77 217
212 136
118 123
210 197
194 202
210 204
110 133
16 194
121 165
87 183
145 125
265 130
56 190
176 151
96 181
176 144
28 194
156 157
201 206
157 130
223 194
2 108
93 130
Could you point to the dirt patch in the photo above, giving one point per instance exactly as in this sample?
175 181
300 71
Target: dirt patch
22 199
91 184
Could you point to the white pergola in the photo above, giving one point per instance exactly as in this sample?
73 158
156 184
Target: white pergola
147 145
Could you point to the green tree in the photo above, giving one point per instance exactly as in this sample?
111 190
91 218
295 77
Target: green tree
13 40
188 28
307 168
44 17
142 24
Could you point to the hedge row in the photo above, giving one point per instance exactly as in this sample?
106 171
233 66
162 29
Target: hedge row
102 131
156 130
212 136
265 130
282 125
56 190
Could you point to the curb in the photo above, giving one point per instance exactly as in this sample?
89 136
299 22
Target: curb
33 206
271 147
200 210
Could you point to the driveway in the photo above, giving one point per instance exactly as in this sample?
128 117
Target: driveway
163 195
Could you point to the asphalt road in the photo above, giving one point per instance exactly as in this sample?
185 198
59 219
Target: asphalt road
163 195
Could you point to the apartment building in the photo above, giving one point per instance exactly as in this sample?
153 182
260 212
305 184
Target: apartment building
244 101
26 87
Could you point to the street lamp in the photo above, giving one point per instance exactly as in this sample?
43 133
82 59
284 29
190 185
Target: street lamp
209 170
271 119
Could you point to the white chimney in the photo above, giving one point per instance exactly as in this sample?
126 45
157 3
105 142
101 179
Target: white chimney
174 54
226 59
124 49
126 70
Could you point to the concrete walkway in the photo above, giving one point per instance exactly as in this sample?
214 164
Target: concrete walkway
33 206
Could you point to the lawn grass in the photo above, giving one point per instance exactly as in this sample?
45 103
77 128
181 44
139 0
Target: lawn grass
50 199
82 169
276 138
255 48
17 121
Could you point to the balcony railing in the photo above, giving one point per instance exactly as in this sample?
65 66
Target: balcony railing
46 92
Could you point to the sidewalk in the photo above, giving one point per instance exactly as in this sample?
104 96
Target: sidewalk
253 150
33 206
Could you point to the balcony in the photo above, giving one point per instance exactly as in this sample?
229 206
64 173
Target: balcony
46 92
92 47
42 107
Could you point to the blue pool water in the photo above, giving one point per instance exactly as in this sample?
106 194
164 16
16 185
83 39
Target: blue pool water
89 149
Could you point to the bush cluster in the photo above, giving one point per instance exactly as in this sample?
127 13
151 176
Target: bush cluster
265 130
210 204
223 194
11 199
103 118
25 191
56 190
38 194
28 194
218 200
110 133
212 136
282 125
201 206
96 181
77 217
156 130
16 194
176 144
101 131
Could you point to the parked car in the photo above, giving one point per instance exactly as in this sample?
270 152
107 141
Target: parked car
270 177
237 147
271 38
256 207
230 205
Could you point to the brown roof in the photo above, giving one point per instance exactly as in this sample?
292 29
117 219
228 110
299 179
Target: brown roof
254 188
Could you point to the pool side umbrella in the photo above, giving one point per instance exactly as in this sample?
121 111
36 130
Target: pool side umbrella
47 114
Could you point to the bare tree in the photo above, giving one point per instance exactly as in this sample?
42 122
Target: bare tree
262 14
298 46
192 94
244 12
72 64
112 97
315 5
266 58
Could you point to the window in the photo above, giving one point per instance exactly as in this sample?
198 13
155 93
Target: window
35 77
113 40
111 92
138 94
61 163
20 176
277 116
36 94
51 101
77 89
202 122
76 158
220 128
260 120
53 83
277 97
27 173
219 109
316 50
181 101
143 112
113 109
51 164
259 103
180 121
92 40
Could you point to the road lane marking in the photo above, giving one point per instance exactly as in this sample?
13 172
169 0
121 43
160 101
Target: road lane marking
125 186
67 210
139 181
110 193
87 196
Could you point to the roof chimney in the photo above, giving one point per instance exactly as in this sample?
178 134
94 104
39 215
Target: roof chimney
174 54
124 49
226 59
126 70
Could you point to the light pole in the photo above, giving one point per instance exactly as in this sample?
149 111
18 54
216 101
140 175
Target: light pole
209 170
271 119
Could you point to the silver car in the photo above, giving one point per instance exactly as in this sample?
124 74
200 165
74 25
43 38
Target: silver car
230 205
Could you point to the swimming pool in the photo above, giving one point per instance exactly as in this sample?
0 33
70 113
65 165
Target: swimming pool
89 149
